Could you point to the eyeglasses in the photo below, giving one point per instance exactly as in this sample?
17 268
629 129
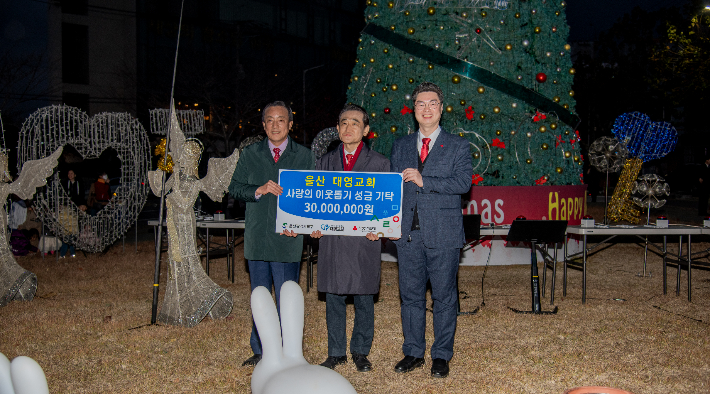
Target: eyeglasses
420 105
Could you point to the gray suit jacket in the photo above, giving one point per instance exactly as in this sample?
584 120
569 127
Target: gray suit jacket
446 176
348 264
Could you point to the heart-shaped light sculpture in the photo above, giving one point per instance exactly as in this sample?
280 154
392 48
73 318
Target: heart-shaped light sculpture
55 126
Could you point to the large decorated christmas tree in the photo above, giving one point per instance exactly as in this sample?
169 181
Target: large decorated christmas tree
506 73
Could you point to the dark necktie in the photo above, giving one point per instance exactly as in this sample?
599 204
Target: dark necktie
277 154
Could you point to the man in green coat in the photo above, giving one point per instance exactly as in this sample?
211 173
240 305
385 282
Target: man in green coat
272 257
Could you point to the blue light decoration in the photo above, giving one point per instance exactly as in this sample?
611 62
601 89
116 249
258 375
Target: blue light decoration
645 139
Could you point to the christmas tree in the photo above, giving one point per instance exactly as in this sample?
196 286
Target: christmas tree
506 73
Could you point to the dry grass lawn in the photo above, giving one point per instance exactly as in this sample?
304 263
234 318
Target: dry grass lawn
88 328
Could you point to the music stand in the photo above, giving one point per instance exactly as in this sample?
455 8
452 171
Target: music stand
537 232
472 233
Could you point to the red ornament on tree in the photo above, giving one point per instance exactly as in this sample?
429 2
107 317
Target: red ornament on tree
387 110
541 77
478 30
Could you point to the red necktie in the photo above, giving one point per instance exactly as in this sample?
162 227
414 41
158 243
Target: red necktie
348 157
277 154
425 149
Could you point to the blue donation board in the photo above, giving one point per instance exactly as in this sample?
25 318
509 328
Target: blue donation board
340 203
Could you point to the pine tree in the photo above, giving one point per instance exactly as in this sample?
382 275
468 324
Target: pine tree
506 73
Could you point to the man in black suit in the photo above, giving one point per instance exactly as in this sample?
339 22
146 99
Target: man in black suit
436 168
350 265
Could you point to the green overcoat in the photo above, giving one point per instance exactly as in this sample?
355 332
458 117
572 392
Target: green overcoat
255 167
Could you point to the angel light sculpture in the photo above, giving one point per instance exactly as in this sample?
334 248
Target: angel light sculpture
16 283
190 293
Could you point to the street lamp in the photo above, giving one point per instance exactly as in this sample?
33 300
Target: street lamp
304 100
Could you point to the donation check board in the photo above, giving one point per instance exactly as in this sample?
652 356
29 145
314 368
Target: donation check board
340 203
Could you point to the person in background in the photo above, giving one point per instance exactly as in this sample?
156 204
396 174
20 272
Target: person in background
75 190
436 170
273 258
99 194
704 189
350 265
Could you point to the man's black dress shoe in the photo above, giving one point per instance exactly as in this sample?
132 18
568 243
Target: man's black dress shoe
408 363
251 361
332 361
362 363
439 368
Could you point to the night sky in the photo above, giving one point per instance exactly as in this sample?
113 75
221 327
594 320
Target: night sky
588 18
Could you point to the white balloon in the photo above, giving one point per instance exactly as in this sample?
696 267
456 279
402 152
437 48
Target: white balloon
282 368
5 376
27 376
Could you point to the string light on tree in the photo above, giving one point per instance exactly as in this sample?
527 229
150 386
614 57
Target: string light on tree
492 56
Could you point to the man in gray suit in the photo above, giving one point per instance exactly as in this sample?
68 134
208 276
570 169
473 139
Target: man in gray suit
350 265
436 168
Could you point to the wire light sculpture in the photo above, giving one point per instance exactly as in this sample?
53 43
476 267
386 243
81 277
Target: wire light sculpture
190 293
607 155
55 126
17 283
191 122
325 137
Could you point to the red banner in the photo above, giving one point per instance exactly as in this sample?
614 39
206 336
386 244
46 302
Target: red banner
502 204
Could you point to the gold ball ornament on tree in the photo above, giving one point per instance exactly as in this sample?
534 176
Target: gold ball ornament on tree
568 47
372 94
462 102
545 146
499 157
498 132
476 155
558 170
481 90
528 161
406 13
393 27
372 60
411 80
571 93
384 88
553 126
378 80
393 129
386 50
565 106
517 15
513 132
556 99
372 115
456 79
390 66
538 30
572 71
508 47
566 132
568 154
575 158
482 116
390 4
484 14
431 11
496 110
461 134
394 87
375 135
410 30
449 109
464 14
430 66
542 129
356 78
